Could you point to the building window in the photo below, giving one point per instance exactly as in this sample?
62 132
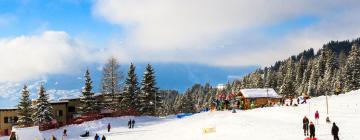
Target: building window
71 109
16 119
60 113
6 120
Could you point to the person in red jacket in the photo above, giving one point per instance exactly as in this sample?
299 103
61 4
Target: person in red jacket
109 127
317 116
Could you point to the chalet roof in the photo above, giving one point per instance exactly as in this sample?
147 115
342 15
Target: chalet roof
259 92
8 108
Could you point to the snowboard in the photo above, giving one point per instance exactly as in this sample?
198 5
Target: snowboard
308 138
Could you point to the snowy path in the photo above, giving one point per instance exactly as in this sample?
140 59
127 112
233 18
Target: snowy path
275 123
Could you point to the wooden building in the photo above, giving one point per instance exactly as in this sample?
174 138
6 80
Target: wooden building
259 97
8 118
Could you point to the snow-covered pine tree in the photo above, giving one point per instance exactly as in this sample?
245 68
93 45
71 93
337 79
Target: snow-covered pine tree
271 79
150 100
112 81
129 101
322 63
187 104
88 101
288 87
305 80
24 109
329 77
300 70
313 81
352 71
43 109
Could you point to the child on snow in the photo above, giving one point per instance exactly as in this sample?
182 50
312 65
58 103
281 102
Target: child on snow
317 116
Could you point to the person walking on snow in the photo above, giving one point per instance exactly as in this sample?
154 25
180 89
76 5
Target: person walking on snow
129 123
109 127
96 137
317 116
132 123
103 138
64 133
335 131
312 130
306 126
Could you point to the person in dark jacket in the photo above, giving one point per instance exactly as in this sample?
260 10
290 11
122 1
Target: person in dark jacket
132 123
109 127
103 138
96 137
129 123
306 126
312 130
65 132
335 131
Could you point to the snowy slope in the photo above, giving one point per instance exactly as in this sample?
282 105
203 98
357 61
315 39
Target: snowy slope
275 123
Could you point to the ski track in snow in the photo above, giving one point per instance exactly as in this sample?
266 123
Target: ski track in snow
275 123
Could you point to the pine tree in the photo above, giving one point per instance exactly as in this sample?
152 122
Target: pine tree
187 103
112 84
24 109
352 71
313 81
149 97
329 78
288 87
43 109
306 78
131 90
300 70
88 101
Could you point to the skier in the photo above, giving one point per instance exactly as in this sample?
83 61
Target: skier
306 126
103 138
129 123
132 123
335 131
64 133
109 127
312 130
96 137
317 116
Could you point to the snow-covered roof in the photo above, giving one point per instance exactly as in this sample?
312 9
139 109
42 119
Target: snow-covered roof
259 92
8 108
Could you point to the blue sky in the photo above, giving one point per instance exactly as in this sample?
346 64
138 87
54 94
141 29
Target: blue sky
52 37
73 17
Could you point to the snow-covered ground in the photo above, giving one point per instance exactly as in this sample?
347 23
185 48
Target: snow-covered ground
275 123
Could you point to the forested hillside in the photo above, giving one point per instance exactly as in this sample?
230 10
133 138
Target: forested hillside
333 69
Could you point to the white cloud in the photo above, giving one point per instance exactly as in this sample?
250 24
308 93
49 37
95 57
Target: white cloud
35 56
217 32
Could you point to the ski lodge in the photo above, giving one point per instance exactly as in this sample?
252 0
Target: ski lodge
258 97
63 111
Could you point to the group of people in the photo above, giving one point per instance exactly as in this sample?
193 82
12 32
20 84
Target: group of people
310 126
97 137
131 123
